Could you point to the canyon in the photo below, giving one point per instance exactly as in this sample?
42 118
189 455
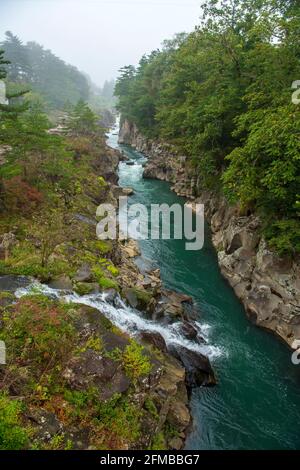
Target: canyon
267 285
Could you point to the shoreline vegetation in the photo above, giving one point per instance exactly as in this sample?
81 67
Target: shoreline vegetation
72 379
214 112
222 96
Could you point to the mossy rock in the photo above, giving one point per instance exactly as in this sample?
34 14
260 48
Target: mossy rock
85 288
6 298
138 298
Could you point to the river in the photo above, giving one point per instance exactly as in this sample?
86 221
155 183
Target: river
256 404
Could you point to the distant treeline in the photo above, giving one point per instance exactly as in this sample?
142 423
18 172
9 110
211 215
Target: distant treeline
223 95
51 81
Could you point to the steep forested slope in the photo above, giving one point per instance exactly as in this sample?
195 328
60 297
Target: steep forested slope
223 96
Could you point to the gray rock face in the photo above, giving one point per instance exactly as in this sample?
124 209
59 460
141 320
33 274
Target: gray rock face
61 283
10 283
154 339
267 285
84 273
198 369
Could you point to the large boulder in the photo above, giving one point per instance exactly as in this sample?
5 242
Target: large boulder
154 339
198 369
84 273
11 283
62 282
138 298
92 369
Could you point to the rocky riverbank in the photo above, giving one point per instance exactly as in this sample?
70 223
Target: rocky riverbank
267 285
97 388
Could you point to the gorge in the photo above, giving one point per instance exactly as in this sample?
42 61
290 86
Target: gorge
256 402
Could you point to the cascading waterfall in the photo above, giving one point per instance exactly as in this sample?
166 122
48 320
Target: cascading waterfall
126 318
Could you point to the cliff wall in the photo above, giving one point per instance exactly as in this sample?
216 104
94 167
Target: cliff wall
266 284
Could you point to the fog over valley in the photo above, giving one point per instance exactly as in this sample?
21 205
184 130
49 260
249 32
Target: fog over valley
98 36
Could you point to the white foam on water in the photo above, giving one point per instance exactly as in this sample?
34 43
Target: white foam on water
127 318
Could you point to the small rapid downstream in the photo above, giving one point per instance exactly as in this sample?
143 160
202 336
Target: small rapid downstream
256 404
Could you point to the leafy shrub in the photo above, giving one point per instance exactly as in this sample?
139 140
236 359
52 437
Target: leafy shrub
135 362
13 436
31 331
20 196
103 281
284 236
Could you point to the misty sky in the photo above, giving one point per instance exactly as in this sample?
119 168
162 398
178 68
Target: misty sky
98 36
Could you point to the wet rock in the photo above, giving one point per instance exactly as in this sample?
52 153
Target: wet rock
138 298
11 283
198 369
130 163
86 288
110 295
127 191
119 191
188 331
153 338
173 304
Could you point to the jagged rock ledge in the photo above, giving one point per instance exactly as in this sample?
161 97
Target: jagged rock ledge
267 285
161 397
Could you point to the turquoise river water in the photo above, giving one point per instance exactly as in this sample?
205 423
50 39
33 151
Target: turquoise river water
256 404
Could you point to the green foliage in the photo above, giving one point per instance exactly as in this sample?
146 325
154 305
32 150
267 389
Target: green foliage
95 343
108 265
13 436
83 120
49 76
136 363
284 236
121 418
107 283
222 95
30 331
25 260
149 405
158 442
102 280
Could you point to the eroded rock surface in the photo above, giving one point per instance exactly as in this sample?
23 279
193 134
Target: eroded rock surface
267 285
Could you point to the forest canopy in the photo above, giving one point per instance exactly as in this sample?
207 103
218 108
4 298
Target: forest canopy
223 96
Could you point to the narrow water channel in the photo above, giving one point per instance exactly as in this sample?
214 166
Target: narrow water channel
256 404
